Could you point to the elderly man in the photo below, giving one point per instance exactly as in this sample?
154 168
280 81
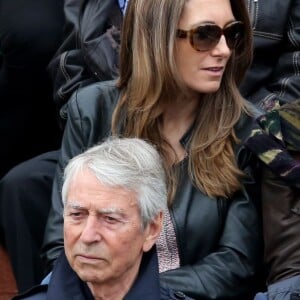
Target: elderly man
114 195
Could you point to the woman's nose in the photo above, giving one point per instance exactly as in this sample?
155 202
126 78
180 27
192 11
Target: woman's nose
222 49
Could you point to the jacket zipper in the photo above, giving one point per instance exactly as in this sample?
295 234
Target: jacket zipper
252 8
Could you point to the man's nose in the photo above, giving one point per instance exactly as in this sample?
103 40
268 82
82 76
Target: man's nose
91 231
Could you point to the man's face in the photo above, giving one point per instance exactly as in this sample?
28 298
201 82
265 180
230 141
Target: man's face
104 239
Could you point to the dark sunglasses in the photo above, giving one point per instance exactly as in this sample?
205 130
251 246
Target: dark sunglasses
207 36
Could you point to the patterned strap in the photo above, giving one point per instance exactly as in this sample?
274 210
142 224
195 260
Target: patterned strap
166 245
276 136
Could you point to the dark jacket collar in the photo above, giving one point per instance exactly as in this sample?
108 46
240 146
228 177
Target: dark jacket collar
65 284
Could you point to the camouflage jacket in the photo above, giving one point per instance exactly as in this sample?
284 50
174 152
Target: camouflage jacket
276 138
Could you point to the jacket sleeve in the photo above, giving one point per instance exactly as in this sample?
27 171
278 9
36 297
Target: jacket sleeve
72 144
90 49
227 272
284 81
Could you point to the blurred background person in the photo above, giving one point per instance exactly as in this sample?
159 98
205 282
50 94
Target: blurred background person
30 33
276 143
275 71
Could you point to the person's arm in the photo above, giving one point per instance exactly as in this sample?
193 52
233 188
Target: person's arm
284 81
227 272
72 144
89 52
88 122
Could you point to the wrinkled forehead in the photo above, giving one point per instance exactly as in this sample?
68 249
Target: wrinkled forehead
108 205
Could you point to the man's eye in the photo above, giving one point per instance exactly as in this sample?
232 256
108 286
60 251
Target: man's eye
111 220
76 215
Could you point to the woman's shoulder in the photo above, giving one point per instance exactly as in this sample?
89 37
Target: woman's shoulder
107 90
100 97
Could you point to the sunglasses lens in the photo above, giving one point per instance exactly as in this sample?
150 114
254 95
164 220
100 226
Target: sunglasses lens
234 34
206 37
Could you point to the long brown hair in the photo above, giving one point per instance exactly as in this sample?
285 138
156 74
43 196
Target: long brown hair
149 81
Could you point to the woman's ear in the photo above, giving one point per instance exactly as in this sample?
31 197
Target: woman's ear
152 232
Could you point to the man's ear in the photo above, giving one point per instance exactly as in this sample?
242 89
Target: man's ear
152 232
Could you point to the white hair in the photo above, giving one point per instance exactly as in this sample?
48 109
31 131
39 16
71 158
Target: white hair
130 163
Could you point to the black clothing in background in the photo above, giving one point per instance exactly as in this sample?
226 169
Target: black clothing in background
274 73
30 33
31 215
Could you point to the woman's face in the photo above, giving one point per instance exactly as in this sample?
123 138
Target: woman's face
202 71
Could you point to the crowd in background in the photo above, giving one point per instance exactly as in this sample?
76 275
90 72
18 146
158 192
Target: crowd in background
64 88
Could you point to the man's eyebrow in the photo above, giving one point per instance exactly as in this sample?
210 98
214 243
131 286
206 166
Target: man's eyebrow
102 211
111 210
74 205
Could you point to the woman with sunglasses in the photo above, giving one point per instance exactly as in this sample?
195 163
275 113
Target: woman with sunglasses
180 63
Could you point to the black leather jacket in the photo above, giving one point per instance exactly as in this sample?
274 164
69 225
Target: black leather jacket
90 51
218 240
275 71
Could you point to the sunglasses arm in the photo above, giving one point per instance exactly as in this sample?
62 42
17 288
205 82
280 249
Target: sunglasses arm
182 34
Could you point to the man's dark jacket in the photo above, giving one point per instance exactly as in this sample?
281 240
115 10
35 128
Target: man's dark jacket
65 284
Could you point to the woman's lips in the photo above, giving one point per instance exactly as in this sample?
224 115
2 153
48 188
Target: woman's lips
215 71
